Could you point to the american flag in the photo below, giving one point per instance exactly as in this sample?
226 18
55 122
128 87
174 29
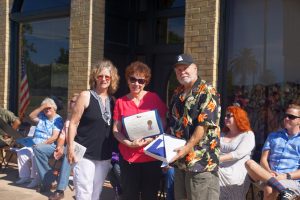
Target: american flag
23 89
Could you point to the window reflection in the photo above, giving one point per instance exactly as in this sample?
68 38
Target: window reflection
34 5
165 4
170 30
46 52
262 60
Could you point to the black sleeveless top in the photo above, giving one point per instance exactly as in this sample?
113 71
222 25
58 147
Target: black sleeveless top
94 133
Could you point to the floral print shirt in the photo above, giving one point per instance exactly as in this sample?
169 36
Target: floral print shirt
201 107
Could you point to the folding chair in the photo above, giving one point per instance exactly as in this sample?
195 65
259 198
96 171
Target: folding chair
5 152
11 148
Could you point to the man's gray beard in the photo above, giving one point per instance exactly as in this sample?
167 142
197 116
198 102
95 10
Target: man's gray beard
187 81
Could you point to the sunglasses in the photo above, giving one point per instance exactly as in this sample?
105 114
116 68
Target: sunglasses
228 115
106 77
134 80
291 117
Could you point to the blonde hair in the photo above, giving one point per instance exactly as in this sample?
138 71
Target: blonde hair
96 70
294 105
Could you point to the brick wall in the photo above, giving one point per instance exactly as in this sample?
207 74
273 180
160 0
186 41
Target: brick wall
86 41
201 36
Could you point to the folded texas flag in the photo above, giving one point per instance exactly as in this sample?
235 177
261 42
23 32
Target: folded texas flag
162 148
27 141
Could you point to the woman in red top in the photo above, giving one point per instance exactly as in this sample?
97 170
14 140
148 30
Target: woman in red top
140 174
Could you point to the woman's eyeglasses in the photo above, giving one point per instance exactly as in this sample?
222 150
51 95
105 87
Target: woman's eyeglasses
291 117
228 115
134 80
106 77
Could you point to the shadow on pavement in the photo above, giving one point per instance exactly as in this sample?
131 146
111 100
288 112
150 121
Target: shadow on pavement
9 176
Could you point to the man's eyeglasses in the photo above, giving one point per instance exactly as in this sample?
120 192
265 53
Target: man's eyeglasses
291 117
134 80
228 115
106 77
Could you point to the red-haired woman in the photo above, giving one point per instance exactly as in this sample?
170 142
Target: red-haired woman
140 174
236 144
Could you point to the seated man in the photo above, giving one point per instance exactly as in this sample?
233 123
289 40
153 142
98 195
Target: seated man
42 154
9 118
279 164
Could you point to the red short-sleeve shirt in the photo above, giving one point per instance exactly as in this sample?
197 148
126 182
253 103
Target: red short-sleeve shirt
125 107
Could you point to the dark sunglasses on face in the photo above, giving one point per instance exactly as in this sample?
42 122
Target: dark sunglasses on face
291 117
228 115
106 77
134 80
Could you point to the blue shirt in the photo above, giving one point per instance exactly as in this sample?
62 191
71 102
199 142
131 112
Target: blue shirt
284 150
45 127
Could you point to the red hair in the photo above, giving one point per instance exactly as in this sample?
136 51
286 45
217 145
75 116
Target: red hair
240 117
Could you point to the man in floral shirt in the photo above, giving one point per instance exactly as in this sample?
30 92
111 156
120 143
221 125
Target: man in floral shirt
194 116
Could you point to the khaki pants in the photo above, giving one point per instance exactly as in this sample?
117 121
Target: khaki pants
196 186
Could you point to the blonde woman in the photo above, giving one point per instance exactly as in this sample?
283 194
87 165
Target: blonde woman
91 126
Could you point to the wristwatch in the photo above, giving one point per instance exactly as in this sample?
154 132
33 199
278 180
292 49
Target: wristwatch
288 176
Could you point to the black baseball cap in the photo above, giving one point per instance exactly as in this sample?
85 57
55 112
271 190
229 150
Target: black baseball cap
183 59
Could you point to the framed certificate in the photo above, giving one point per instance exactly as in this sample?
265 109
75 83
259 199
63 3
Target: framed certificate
142 125
162 148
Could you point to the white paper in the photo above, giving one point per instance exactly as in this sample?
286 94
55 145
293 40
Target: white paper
31 131
142 125
79 151
169 143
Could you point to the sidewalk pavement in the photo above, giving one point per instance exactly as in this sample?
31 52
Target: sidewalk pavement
10 191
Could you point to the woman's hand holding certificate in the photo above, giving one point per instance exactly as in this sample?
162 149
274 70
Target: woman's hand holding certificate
142 125
138 143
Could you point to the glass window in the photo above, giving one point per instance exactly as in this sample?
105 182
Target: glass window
170 30
262 58
172 85
117 5
117 25
34 5
45 53
142 5
142 27
165 4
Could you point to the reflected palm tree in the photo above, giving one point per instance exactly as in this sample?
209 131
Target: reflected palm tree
243 65
267 77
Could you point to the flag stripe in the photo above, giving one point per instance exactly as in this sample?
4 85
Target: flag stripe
23 89
22 110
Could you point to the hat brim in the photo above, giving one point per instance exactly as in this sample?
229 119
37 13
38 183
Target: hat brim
182 63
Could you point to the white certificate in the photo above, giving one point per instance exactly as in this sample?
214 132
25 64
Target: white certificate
143 125
79 151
